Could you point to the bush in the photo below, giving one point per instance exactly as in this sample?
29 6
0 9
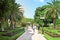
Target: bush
17 32
53 31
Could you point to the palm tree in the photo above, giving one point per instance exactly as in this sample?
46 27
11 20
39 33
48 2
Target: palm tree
15 15
3 10
53 10
9 10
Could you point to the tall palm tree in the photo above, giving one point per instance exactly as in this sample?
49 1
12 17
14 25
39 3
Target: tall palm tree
53 10
3 10
14 13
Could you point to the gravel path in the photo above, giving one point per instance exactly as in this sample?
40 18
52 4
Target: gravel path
31 35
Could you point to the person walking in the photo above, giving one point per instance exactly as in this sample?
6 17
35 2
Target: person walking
34 27
38 27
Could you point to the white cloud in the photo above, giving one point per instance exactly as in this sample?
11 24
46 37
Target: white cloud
41 0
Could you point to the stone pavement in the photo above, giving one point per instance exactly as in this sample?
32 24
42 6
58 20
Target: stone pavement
31 35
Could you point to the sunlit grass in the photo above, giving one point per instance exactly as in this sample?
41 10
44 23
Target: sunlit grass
51 38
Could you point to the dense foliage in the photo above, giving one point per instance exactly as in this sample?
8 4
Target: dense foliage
9 13
51 11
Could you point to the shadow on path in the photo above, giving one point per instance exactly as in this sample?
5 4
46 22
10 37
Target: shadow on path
27 35
31 35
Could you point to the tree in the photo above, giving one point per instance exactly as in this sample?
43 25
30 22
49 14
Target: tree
15 14
38 13
9 10
53 10
3 10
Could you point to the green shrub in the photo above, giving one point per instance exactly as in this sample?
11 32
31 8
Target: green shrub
50 38
12 37
53 31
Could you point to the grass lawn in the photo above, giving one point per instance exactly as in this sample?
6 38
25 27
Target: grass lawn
50 38
12 37
53 31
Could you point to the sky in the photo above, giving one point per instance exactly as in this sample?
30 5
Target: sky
31 5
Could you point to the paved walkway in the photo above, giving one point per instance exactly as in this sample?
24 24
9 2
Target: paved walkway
31 35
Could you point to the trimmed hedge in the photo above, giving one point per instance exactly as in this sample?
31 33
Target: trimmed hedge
17 32
53 31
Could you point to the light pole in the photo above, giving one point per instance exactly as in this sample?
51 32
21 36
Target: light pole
42 18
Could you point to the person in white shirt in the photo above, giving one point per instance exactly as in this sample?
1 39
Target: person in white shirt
34 27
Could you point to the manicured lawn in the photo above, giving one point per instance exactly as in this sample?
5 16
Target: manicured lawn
12 37
53 31
50 38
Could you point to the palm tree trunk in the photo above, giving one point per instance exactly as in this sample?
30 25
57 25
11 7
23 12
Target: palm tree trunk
13 27
54 22
2 28
2 24
12 23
